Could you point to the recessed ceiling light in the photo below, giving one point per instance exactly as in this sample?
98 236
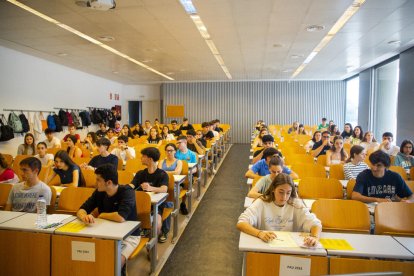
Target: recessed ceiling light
394 42
315 28
106 38
147 60
62 54
296 56
170 73
287 71
277 45
115 72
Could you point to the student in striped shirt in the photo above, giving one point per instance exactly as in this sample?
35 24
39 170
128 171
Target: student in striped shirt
355 163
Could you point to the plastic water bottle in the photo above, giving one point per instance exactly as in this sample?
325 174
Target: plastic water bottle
41 220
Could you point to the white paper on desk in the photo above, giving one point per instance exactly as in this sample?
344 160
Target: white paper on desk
56 218
284 239
294 266
83 251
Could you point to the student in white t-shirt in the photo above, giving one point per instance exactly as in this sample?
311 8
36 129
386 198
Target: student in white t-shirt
387 146
45 158
123 151
279 210
24 195
51 141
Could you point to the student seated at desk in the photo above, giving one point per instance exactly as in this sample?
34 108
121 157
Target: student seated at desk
380 184
153 179
279 210
275 168
268 142
45 158
104 156
24 195
69 173
355 163
261 168
114 202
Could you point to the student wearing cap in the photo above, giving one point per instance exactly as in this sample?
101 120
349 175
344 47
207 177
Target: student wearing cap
268 142
261 168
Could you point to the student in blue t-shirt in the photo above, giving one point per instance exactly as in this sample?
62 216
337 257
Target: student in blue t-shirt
261 168
380 184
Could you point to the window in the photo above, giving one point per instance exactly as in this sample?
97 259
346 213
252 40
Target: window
352 101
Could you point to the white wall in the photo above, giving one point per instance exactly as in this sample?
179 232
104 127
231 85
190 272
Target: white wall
28 82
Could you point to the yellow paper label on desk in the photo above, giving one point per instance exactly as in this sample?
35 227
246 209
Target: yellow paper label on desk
336 244
74 226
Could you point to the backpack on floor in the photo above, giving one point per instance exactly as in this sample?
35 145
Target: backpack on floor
25 123
15 123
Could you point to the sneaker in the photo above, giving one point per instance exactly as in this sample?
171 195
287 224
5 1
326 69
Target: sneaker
183 209
163 238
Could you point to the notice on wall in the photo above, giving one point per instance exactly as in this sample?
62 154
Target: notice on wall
294 266
83 251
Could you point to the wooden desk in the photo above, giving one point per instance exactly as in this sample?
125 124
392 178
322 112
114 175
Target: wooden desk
21 241
8 215
261 259
104 236
407 242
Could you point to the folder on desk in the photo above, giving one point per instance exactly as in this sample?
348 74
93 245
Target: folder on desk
74 227
336 244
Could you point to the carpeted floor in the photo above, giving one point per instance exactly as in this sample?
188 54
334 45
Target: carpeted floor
209 244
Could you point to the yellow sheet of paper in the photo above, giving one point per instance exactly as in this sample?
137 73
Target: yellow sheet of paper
284 239
336 244
74 227
59 189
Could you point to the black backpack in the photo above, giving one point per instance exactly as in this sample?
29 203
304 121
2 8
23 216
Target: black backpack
98 116
58 123
63 118
25 123
86 118
6 131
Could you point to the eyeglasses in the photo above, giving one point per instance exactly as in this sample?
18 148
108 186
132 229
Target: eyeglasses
170 150
326 137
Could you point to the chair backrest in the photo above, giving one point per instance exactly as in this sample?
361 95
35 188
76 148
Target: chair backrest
299 159
394 218
412 173
321 160
8 158
410 184
337 171
309 170
51 208
134 165
44 173
72 198
340 215
350 187
399 170
120 164
16 164
171 184
80 160
5 189
90 178
143 204
125 177
319 187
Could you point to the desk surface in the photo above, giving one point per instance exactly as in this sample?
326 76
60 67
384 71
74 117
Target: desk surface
253 244
369 246
407 242
158 198
8 215
27 222
103 228
179 178
191 165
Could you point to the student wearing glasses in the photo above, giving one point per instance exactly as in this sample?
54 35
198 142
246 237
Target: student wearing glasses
170 163
279 209
380 184
320 148
174 129
405 157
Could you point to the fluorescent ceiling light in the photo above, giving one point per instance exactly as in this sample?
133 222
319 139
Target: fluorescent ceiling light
86 37
350 11
202 29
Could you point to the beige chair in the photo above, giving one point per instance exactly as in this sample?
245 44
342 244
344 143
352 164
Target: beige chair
350 188
125 177
309 170
72 198
394 218
5 189
339 215
336 171
90 178
399 170
320 187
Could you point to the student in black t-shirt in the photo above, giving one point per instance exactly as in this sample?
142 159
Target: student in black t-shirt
320 148
185 125
193 144
104 156
114 202
174 129
207 133
153 179
101 133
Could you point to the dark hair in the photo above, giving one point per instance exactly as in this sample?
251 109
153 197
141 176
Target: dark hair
205 124
3 162
129 130
41 143
33 163
361 136
108 172
157 135
171 145
333 149
102 124
147 121
182 137
185 119
347 134
280 179
269 152
174 122
123 138
64 156
380 157
26 146
387 134
365 137
356 149
73 138
103 142
332 130
276 161
110 130
314 134
71 125
152 153
191 132
324 119
350 126
404 143
93 135
48 131
326 132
